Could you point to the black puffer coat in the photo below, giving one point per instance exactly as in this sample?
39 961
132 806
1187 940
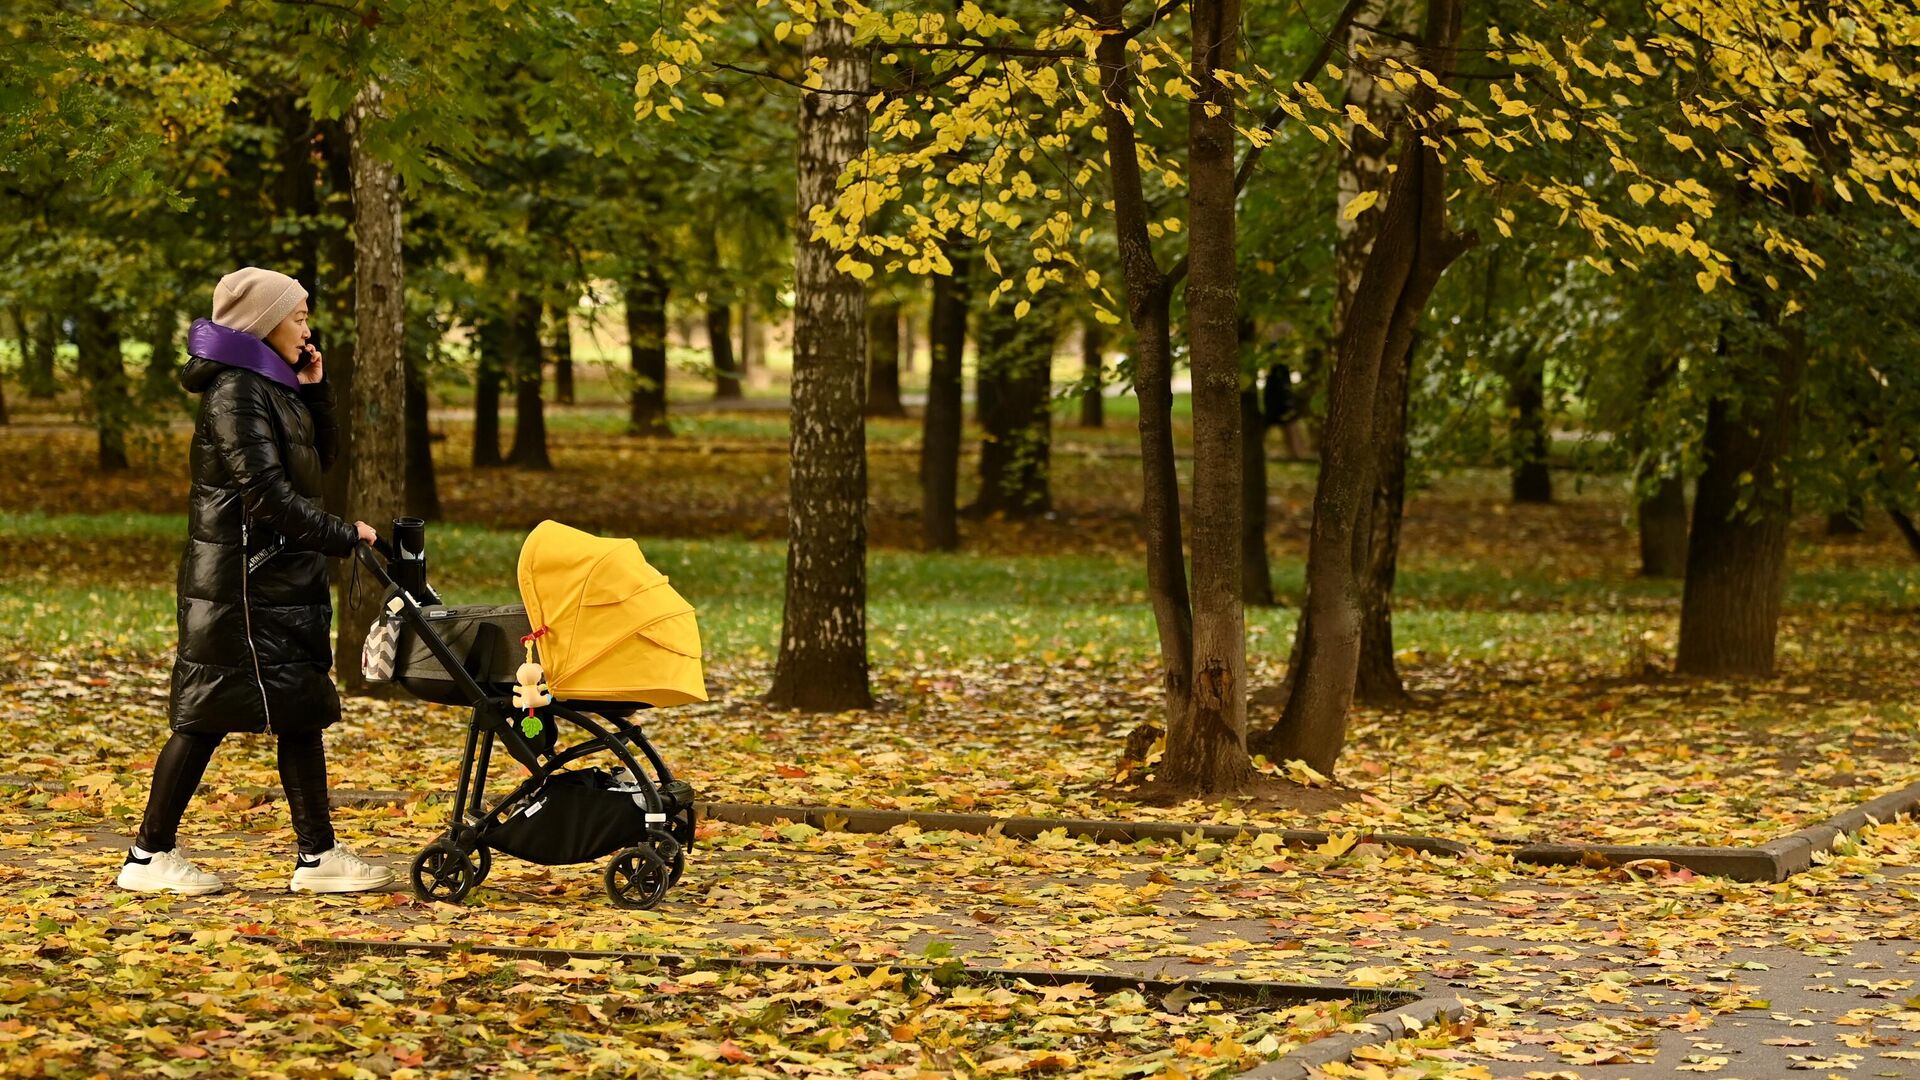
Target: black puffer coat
254 611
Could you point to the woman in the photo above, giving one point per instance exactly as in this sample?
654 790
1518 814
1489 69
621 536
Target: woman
254 614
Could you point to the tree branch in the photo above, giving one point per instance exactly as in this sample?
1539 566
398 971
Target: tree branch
1165 9
986 50
1272 122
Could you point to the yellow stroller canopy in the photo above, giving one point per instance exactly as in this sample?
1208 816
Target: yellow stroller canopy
615 630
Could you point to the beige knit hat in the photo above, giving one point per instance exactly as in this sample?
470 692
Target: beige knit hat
253 301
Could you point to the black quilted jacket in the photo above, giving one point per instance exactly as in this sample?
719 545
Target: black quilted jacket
254 612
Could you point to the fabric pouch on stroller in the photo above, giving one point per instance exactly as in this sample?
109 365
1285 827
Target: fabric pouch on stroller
486 639
576 816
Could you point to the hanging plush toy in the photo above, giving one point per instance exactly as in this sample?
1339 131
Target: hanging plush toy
530 688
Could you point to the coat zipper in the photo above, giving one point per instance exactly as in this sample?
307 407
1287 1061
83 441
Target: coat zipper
246 613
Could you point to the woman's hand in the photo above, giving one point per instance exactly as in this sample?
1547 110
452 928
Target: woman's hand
315 371
367 535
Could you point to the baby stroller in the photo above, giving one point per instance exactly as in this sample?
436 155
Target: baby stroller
612 638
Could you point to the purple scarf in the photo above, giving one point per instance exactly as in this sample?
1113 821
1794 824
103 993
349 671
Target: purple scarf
211 341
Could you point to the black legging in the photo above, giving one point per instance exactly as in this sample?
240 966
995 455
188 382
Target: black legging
183 761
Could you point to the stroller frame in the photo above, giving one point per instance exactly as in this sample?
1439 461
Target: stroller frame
449 867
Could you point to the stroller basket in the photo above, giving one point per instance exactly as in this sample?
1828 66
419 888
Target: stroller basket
486 639
577 816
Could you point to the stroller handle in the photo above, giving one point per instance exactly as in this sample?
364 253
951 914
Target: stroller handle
363 551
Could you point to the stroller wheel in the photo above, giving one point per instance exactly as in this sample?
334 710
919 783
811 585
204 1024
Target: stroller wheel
667 846
444 873
637 877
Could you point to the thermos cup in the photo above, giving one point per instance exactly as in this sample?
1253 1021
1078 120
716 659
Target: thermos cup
409 565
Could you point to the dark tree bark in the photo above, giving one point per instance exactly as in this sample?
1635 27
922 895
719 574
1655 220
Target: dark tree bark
1377 682
1529 446
529 410
647 353
377 476
823 637
883 355
1743 502
747 356
296 194
333 301
1149 295
1851 521
1093 368
944 420
491 341
103 371
907 344
1412 249
1909 532
1662 514
1207 747
563 354
1256 571
423 486
726 376
40 376
1016 358
163 363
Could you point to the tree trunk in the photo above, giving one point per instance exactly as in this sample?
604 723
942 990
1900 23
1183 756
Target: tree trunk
883 355
1207 748
41 378
103 371
296 194
1016 359
747 355
529 410
158 382
1377 682
423 486
647 354
376 486
1149 297
1662 515
490 367
1903 522
563 354
823 637
907 344
1409 253
942 425
1529 446
1743 502
333 294
726 376
1851 521
1256 572
1093 371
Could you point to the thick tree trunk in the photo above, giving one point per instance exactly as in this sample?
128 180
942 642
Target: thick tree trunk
1743 502
1149 296
726 375
1256 571
529 409
333 295
41 378
563 354
883 355
907 344
296 192
1377 681
1903 522
1528 446
823 637
1851 521
103 371
490 368
423 486
944 420
1093 371
1410 251
1662 516
1207 747
377 484
1016 358
647 354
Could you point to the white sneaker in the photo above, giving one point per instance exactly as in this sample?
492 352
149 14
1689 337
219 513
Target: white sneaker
338 871
165 871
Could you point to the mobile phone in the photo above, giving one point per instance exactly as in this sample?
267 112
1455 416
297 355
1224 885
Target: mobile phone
305 359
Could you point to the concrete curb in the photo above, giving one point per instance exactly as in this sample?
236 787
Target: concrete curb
1380 1028
1027 828
1776 860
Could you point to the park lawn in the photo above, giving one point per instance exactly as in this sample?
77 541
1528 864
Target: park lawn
1008 684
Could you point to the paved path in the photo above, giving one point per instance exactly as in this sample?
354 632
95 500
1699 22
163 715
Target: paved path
1578 974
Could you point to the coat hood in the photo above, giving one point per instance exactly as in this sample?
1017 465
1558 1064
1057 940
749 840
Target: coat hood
215 347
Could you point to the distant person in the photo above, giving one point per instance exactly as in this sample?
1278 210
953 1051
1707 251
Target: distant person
254 613
1280 408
